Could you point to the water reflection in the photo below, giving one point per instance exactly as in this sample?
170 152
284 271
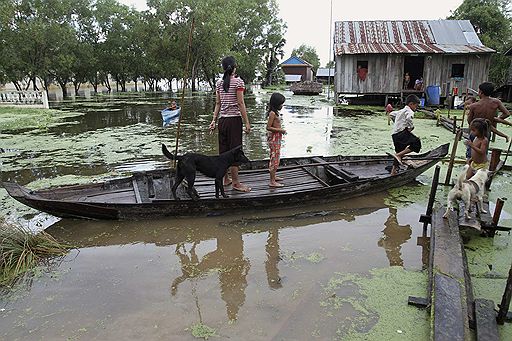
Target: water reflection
227 260
273 258
394 236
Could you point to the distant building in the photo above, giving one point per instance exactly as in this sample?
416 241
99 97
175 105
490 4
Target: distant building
292 78
294 66
393 57
323 74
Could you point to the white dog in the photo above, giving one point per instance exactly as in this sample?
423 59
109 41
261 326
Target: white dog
469 191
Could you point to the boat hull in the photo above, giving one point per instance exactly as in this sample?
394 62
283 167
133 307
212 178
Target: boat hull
209 205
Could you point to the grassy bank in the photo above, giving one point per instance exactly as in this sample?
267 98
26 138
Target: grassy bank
21 251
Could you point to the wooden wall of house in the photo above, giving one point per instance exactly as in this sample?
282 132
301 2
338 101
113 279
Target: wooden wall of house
438 71
386 72
304 71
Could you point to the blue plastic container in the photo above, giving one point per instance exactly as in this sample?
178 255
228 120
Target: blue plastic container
433 94
422 102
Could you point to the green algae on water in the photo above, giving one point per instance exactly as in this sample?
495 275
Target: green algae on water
202 331
382 312
315 257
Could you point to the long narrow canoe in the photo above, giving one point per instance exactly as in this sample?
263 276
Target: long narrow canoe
147 194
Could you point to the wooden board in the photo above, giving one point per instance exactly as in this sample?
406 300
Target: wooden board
476 222
486 326
449 314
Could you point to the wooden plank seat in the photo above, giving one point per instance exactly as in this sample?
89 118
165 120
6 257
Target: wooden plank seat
337 171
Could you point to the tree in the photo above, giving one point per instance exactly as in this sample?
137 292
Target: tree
492 22
308 54
330 64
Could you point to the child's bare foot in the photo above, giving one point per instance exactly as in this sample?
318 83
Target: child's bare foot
275 185
398 159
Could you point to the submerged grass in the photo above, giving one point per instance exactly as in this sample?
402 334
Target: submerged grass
22 251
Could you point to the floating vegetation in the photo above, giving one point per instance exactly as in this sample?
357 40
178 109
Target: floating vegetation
315 257
22 251
380 303
202 331
13 119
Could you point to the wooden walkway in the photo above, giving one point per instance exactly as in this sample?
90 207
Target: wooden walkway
454 311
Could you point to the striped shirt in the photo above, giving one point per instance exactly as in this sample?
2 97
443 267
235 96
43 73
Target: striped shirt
228 101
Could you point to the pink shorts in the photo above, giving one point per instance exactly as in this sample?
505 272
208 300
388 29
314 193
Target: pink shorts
274 142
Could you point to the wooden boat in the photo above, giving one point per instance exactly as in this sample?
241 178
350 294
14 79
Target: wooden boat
307 88
147 194
170 116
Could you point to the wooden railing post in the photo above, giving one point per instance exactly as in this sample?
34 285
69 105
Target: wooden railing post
449 172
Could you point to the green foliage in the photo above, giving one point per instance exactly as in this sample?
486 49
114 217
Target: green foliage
22 250
491 20
93 40
309 54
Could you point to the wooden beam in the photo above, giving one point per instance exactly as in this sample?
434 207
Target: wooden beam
486 326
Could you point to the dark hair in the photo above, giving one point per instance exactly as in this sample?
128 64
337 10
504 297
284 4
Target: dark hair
480 126
487 88
412 99
275 103
229 65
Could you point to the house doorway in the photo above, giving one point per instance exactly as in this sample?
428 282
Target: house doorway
413 71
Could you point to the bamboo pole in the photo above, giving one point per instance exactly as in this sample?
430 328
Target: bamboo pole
185 80
448 179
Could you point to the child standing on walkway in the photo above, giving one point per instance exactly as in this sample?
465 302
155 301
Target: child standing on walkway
404 140
275 136
478 147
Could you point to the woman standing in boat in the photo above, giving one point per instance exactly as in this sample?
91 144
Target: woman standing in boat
230 110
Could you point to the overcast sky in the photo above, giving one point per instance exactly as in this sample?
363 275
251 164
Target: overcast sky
308 21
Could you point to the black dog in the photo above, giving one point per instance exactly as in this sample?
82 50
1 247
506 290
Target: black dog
211 166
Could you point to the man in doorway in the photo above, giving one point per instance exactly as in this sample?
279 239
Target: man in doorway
486 109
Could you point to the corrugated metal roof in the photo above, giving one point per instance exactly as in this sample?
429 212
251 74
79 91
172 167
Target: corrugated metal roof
414 36
324 72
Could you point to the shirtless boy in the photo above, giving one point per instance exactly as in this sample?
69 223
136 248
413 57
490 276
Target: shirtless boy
486 109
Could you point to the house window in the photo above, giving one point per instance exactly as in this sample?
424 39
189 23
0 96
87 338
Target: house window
362 69
458 70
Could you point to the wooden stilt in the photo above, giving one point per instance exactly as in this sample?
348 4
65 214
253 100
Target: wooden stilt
505 300
497 211
448 179
495 159
454 125
427 217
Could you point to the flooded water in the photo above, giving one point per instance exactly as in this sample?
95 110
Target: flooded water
337 271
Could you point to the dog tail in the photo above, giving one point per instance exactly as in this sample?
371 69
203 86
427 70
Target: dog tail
168 154
462 178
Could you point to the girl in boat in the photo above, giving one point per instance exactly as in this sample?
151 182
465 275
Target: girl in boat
275 136
230 110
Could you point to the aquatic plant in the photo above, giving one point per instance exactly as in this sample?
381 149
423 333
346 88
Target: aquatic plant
202 331
22 251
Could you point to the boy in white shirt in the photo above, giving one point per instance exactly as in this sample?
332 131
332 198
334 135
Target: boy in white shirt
404 140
